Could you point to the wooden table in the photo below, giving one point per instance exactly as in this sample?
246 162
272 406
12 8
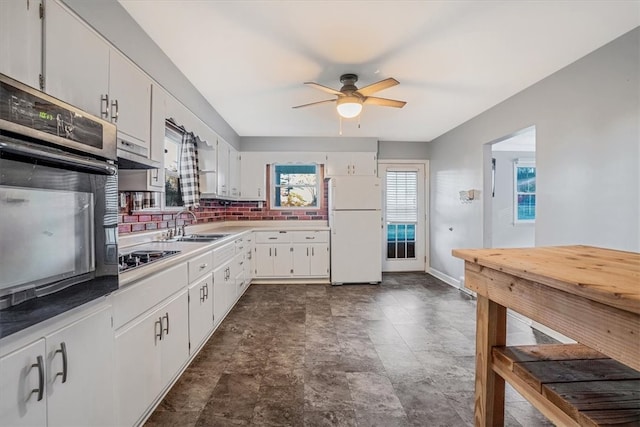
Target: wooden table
589 294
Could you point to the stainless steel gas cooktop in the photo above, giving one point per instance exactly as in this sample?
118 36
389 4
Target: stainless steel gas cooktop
135 259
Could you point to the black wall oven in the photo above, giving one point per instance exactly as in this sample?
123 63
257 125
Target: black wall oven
58 207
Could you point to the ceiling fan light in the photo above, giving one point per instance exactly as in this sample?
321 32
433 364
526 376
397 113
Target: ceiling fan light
349 106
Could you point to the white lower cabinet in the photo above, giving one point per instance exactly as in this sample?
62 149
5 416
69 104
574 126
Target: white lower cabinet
63 379
200 311
150 351
223 280
291 254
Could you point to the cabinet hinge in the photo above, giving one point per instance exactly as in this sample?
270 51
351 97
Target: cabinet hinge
41 81
291 249
41 8
292 271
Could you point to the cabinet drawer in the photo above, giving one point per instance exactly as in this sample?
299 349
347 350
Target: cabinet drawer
318 236
240 245
223 254
200 265
137 298
273 237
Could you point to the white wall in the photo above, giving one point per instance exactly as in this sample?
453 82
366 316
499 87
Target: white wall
402 150
318 144
504 233
587 158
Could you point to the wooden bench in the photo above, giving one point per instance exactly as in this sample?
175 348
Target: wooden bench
572 383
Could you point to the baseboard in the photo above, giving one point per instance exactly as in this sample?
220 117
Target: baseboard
458 284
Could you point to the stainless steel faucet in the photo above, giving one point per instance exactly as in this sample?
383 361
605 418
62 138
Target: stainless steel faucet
175 227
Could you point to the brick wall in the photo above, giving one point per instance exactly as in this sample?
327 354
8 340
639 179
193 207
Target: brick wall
211 210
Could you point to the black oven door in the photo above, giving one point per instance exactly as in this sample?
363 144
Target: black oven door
58 232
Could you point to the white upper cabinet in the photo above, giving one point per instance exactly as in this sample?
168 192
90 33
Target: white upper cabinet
129 99
76 61
351 163
234 173
253 168
21 41
223 168
83 70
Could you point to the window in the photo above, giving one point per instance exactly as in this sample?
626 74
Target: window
295 186
401 213
525 191
172 142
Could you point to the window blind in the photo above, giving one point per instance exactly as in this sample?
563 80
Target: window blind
402 196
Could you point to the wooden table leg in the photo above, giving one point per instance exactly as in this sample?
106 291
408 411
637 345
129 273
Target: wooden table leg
491 330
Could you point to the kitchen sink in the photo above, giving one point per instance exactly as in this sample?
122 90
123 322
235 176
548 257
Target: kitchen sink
200 237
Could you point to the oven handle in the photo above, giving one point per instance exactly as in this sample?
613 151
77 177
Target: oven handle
58 157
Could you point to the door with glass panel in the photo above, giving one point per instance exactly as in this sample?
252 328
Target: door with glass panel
404 232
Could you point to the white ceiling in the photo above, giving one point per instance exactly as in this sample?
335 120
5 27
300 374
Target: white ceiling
454 59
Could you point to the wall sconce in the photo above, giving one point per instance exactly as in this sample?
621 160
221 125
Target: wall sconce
467 196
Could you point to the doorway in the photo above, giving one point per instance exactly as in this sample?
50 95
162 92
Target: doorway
404 231
510 190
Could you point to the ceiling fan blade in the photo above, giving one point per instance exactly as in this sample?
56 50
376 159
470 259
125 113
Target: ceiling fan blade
314 103
324 88
384 102
377 87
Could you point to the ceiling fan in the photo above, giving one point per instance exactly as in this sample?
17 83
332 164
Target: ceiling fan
350 99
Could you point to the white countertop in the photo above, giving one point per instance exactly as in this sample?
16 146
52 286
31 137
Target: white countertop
149 241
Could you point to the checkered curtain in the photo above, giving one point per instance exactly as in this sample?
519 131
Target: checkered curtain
189 180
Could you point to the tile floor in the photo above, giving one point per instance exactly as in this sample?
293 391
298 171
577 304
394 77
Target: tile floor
397 354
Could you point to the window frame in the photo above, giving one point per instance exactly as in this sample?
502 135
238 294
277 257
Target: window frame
274 187
173 134
523 163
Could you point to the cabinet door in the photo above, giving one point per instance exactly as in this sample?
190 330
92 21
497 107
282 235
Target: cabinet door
200 311
138 380
19 406
234 173
87 346
319 259
76 61
219 293
301 260
223 168
130 99
158 118
21 41
253 176
175 340
363 164
263 261
282 260
338 164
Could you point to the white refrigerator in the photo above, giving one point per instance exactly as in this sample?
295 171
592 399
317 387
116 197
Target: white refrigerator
355 219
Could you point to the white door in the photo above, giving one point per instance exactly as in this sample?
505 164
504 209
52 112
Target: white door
404 216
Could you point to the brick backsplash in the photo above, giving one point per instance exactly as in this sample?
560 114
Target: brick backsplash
211 210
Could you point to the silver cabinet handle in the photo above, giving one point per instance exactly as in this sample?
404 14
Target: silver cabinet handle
307 251
269 251
104 99
310 237
313 251
203 266
63 351
202 294
155 326
166 329
40 365
114 118
273 238
275 250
